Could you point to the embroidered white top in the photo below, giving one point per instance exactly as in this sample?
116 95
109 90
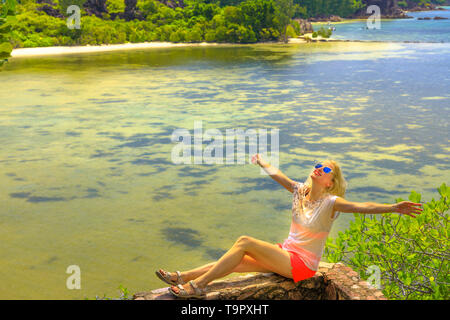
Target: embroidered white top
310 226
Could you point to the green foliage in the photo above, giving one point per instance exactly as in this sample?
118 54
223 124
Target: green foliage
284 12
324 33
234 21
124 295
7 21
117 6
290 32
412 253
402 4
296 27
64 4
313 8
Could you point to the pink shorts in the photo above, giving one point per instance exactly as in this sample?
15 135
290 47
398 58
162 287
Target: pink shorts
299 270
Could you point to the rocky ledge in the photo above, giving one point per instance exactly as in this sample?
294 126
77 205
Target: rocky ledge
333 281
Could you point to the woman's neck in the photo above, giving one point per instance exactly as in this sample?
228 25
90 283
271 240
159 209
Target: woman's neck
316 192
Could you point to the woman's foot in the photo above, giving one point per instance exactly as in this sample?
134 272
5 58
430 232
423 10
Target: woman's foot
188 290
170 277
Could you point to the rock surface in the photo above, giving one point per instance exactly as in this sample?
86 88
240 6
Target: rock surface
333 281
389 9
305 25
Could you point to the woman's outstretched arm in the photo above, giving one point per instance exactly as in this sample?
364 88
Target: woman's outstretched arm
405 207
274 173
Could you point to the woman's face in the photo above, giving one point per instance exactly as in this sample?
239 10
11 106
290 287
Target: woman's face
319 176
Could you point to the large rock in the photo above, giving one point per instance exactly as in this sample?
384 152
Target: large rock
388 9
333 281
331 18
50 10
173 3
305 25
95 7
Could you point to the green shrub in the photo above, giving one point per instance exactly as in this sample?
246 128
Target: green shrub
412 254
210 36
296 26
221 34
290 32
175 36
194 35
64 4
324 33
7 22
115 6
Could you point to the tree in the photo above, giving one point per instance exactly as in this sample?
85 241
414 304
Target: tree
284 12
258 14
7 19
410 254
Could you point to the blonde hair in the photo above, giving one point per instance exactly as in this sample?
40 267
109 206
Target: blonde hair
339 183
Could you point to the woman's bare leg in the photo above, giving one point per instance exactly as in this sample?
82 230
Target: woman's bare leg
247 264
269 256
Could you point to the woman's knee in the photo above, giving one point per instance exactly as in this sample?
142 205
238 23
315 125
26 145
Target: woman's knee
244 241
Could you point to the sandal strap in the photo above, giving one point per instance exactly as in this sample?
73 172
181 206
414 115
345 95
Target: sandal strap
182 290
179 280
196 288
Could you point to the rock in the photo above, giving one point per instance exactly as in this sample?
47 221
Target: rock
388 10
440 18
173 3
305 26
427 7
130 9
335 18
334 281
95 7
331 18
51 11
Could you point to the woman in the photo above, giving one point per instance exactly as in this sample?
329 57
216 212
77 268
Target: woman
316 204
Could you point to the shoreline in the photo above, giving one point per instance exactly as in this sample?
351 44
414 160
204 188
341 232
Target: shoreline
64 50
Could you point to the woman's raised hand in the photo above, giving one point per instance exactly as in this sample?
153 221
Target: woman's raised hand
256 158
409 208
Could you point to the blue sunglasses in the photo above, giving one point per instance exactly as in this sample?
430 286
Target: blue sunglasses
325 169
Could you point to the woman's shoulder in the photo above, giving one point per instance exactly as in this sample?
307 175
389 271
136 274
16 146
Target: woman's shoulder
332 198
301 188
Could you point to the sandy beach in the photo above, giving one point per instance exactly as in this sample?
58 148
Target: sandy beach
46 51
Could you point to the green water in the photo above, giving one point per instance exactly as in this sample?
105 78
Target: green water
85 157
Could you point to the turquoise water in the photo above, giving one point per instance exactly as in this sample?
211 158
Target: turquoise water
85 156
398 30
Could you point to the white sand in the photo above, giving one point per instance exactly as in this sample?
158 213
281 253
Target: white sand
45 51
26 52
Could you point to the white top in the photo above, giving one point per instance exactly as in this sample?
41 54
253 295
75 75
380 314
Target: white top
310 226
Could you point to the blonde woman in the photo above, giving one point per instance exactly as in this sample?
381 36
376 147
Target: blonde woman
316 205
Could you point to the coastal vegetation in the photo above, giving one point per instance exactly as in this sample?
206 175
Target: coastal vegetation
7 20
42 23
324 33
409 255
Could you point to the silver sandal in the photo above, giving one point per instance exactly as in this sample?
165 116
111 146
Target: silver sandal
198 292
166 277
